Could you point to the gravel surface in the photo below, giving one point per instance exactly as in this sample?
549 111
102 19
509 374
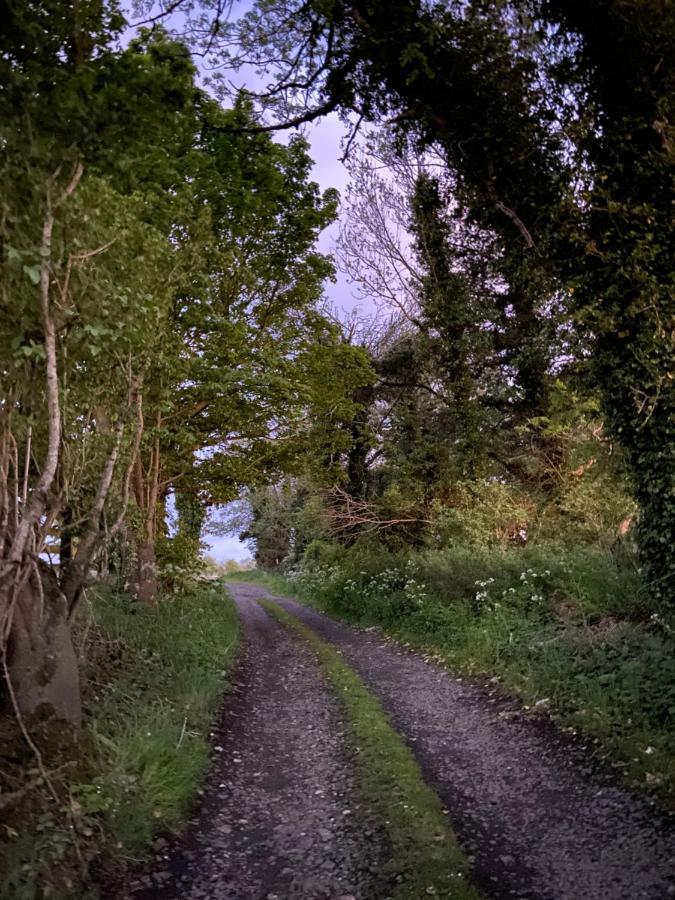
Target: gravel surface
539 817
280 817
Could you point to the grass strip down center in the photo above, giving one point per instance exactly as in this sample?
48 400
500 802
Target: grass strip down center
426 858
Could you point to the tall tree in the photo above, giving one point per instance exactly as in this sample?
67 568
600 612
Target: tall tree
78 304
555 118
228 393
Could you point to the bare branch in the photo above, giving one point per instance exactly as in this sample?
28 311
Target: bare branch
517 221
38 498
347 513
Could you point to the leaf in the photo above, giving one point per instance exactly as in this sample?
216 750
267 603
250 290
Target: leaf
33 273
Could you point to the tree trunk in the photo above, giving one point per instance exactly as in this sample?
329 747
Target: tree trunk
65 541
146 489
41 661
146 572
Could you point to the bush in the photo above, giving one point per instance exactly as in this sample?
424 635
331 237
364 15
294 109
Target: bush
482 514
320 553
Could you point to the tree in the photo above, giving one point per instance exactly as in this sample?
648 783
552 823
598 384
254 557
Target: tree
454 352
620 245
78 304
555 120
244 350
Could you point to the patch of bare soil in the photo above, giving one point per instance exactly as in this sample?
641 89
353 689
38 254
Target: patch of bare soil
535 811
281 818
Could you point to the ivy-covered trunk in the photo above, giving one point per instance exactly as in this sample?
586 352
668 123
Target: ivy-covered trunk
40 659
627 253
634 364
654 468
145 582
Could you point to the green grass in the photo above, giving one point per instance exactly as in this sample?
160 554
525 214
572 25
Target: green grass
425 854
152 681
270 580
574 636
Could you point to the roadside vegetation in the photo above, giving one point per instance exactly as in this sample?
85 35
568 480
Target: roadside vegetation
569 630
506 500
425 858
151 688
159 302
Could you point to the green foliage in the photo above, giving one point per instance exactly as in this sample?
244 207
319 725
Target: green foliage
181 280
554 122
275 581
244 342
453 309
182 283
319 554
482 514
178 561
285 522
179 558
91 140
625 289
152 682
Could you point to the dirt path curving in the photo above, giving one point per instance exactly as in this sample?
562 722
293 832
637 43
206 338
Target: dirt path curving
280 817
538 816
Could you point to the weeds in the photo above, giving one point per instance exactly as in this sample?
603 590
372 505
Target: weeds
152 680
569 626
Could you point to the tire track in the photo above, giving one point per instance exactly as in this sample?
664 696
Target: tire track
538 816
280 818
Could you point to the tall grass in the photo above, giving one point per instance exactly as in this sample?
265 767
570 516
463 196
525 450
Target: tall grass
152 679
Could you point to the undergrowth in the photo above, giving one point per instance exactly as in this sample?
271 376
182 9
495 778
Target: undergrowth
425 856
567 629
151 682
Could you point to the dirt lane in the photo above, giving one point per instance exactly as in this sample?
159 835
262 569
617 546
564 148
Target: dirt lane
538 816
280 818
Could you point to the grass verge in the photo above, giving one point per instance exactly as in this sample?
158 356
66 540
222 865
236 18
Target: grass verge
425 853
571 633
270 580
152 679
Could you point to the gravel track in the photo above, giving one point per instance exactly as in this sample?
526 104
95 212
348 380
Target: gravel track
539 817
280 817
